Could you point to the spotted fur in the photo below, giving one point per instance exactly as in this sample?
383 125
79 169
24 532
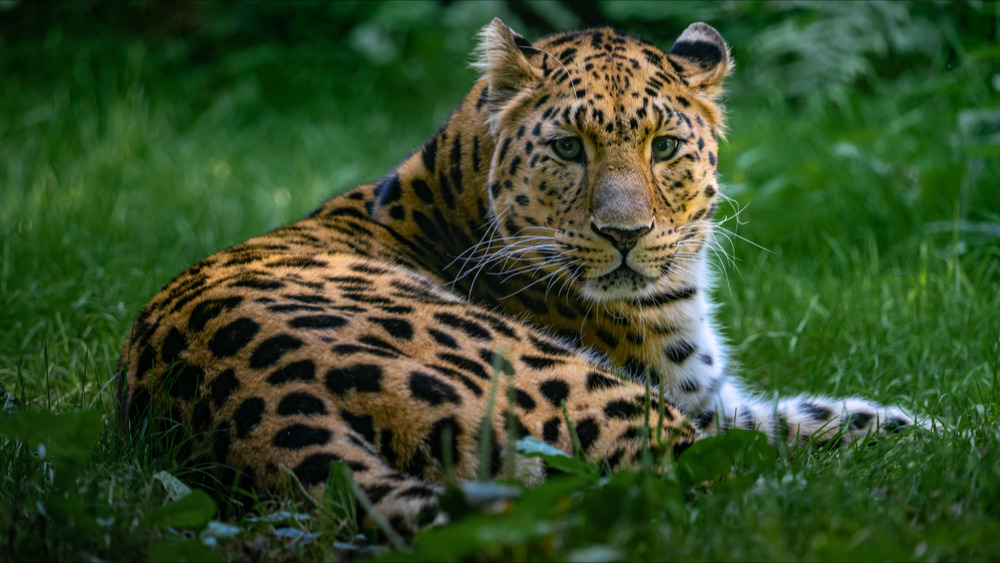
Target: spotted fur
551 237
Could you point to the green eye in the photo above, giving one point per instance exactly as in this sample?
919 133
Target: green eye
664 148
568 148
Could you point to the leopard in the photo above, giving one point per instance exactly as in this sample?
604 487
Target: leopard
539 268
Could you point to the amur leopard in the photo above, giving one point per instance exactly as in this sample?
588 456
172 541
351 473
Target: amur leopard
552 234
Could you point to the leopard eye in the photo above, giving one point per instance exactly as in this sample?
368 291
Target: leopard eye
568 148
664 148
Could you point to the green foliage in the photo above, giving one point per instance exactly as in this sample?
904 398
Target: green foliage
137 138
711 460
193 510
339 504
66 439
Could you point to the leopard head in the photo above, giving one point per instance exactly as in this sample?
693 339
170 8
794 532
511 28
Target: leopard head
604 174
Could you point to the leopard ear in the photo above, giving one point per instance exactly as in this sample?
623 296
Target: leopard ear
502 58
701 56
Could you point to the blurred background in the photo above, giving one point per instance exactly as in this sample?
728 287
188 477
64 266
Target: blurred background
138 137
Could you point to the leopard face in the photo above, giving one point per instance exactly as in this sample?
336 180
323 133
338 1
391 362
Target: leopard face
604 177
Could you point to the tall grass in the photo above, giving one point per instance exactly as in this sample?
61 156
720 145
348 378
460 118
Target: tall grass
864 256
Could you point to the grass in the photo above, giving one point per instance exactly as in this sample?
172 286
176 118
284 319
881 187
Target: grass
867 262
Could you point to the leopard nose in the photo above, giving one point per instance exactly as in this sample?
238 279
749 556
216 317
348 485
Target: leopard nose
623 239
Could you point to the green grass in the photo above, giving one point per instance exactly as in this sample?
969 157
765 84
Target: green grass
867 260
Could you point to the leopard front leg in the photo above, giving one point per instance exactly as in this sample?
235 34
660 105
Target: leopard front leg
691 365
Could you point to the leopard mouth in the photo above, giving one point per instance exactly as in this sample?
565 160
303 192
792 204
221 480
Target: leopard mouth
621 280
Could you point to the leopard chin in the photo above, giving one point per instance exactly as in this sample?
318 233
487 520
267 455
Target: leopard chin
621 283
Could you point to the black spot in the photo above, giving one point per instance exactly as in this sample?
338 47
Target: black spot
818 413
858 420
704 53
429 154
298 436
173 345
597 381
532 303
496 360
208 310
422 190
308 298
398 328
418 492
781 430
257 283
436 438
303 370
465 364
376 342
524 400
607 338
315 469
145 363
455 374
496 324
679 350
540 362
588 432
348 349
555 391
362 424
622 409
550 430
495 461
432 390
473 329
514 163
705 419
636 369
247 415
385 447
319 322
221 440
223 386
690 386
548 347
375 493
443 338
706 359
680 446
615 459
666 297
631 433
388 191
184 381
292 308
301 403
271 350
230 339
201 416
296 262
895 424
365 378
